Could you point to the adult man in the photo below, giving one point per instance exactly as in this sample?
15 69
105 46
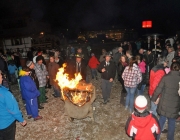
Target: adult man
108 72
42 74
77 66
32 74
9 113
118 55
170 56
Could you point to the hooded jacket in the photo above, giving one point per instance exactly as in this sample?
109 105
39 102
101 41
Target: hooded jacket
28 87
156 75
142 126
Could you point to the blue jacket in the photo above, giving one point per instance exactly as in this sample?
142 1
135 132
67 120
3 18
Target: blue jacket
9 109
28 88
12 68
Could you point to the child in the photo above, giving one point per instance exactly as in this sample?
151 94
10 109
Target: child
29 93
93 62
142 125
12 69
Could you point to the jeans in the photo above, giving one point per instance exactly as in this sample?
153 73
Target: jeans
171 127
130 97
106 89
140 92
153 108
9 132
56 91
93 73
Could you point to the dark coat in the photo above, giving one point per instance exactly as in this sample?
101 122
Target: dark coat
52 71
169 104
151 60
71 69
110 70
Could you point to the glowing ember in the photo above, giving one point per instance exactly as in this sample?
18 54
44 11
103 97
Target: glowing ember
64 82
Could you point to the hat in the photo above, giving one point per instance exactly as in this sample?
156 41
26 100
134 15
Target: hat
38 58
140 103
28 63
109 54
79 55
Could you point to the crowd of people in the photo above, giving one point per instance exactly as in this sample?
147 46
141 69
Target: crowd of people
134 67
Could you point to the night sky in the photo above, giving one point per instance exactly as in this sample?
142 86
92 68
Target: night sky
80 15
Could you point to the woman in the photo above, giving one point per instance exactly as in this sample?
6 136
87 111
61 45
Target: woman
121 66
9 113
52 70
169 103
142 66
29 93
132 77
58 59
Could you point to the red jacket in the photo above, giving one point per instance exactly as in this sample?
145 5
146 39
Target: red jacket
142 128
93 62
156 75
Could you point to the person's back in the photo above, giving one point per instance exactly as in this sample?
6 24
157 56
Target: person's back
12 68
142 125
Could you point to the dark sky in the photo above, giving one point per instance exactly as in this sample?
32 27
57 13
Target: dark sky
97 14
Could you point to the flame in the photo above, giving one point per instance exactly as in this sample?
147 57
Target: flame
63 80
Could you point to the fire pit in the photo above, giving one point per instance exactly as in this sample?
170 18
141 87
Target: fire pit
78 96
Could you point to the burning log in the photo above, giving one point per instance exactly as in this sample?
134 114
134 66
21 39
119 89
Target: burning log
78 96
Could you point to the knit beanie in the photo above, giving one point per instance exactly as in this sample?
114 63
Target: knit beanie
28 63
140 103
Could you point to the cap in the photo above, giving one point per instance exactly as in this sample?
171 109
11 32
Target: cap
28 63
140 102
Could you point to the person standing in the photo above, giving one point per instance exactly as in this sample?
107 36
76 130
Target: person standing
121 66
118 55
42 74
93 62
169 103
132 77
108 72
32 74
142 124
29 93
9 113
52 70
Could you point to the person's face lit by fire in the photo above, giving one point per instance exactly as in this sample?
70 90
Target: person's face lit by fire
51 59
123 59
108 58
79 50
78 59
31 66
40 62
1 78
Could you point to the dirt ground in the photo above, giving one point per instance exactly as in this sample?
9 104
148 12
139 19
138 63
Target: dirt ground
109 121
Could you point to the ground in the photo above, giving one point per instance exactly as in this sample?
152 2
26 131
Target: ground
109 121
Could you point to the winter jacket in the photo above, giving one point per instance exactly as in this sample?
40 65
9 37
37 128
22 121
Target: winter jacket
121 68
142 126
132 77
110 70
142 66
12 68
169 58
9 109
41 74
93 62
28 88
169 104
156 75
52 71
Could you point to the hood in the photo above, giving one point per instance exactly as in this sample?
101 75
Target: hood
22 73
141 122
158 67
